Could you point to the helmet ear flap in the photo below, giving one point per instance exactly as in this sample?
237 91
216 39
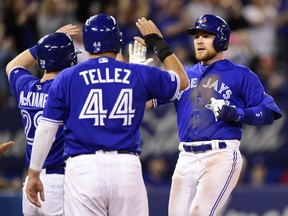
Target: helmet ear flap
220 44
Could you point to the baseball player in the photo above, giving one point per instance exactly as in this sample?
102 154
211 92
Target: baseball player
221 96
5 146
53 53
101 103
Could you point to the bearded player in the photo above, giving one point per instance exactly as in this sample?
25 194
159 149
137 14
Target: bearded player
221 97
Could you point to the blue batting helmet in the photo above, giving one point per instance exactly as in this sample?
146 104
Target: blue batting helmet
56 51
215 25
101 33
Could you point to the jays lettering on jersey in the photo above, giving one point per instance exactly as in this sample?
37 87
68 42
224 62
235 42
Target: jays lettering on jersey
31 96
223 79
102 102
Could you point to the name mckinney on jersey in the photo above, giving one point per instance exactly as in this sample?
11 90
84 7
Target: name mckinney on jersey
33 99
96 76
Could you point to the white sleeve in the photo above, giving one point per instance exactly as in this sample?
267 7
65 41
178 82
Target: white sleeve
43 140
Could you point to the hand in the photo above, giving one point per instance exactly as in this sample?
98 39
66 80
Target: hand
216 106
147 27
5 146
69 29
34 186
137 54
231 114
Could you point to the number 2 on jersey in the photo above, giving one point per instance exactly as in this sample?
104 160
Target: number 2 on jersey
93 107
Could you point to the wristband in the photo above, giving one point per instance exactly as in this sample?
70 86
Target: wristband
158 45
33 51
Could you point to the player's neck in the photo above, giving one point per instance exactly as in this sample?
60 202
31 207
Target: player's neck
48 76
219 56
98 55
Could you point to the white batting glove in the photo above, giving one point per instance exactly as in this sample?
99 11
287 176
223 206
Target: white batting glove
216 106
137 54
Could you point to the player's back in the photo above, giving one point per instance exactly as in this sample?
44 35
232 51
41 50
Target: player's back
31 96
104 103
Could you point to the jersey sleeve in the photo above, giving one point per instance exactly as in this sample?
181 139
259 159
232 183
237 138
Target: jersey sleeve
164 85
18 79
55 105
255 95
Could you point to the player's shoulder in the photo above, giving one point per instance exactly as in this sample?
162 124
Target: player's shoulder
230 63
20 75
233 66
19 70
193 69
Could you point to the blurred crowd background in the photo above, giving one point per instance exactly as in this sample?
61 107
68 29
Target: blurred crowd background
259 40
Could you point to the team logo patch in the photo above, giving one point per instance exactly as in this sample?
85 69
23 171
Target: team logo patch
202 20
103 60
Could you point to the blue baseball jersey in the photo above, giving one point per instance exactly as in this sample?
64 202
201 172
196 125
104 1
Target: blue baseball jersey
101 103
223 79
31 96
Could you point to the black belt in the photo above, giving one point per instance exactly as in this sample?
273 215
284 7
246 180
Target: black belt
202 147
60 170
126 152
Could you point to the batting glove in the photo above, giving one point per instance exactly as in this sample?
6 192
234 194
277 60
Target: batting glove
137 54
231 114
216 106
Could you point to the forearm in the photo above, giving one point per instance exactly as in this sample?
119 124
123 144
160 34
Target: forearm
43 140
259 115
24 59
172 63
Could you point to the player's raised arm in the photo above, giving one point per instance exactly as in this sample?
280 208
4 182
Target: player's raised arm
154 40
27 58
24 59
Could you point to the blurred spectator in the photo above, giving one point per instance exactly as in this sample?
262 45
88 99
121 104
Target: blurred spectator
240 50
129 11
284 177
20 23
87 8
281 21
173 25
234 14
156 171
54 14
196 8
258 172
7 52
260 15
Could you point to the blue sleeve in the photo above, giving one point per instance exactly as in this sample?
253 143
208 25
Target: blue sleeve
160 84
55 105
255 95
18 79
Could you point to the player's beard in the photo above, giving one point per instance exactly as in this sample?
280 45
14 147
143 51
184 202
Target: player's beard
206 56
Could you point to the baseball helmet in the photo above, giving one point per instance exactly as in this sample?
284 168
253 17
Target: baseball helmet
215 25
56 51
101 33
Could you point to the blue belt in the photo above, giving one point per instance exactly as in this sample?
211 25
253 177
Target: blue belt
202 148
60 170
